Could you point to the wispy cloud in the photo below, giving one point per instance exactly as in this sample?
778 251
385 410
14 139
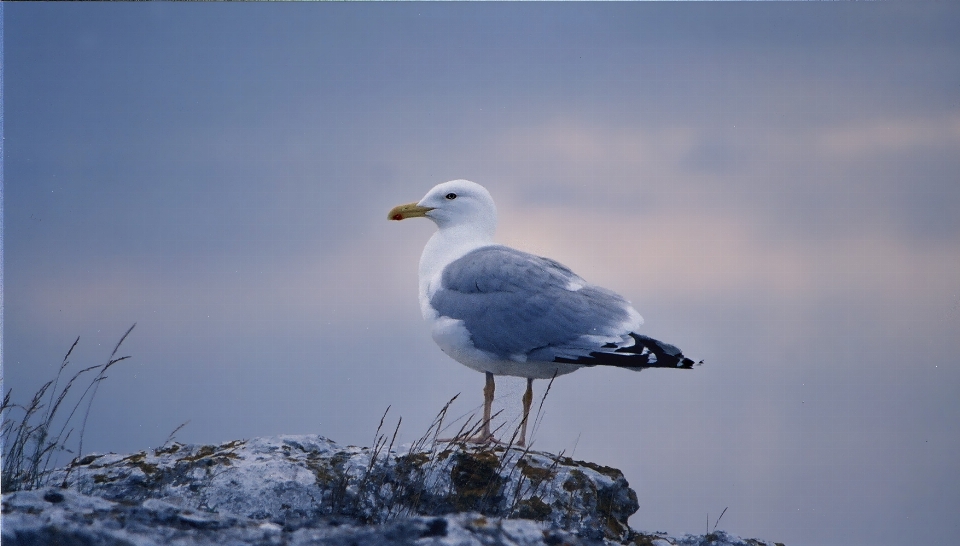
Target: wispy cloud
890 136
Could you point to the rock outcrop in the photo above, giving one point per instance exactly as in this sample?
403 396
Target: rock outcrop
295 490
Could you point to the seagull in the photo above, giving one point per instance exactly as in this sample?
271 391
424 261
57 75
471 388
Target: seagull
502 311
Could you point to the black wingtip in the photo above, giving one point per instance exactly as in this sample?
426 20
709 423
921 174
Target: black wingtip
637 356
688 364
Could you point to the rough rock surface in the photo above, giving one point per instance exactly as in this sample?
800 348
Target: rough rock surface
294 490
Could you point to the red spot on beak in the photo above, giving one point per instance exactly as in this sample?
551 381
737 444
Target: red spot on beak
398 216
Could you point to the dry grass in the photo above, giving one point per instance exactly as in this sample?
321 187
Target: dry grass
33 441
397 486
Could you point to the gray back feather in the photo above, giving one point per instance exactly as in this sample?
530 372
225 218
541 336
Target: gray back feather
514 303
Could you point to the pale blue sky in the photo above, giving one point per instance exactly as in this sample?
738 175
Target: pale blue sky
773 186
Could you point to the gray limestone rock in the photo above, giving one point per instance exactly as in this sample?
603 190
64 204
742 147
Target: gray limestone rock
291 479
65 517
294 490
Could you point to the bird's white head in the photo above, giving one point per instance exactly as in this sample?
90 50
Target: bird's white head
454 204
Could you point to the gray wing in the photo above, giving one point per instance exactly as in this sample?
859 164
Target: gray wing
517 304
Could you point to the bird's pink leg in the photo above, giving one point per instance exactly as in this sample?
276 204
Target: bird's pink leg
488 389
485 436
527 401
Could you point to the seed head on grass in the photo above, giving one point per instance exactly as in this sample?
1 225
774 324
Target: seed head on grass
30 448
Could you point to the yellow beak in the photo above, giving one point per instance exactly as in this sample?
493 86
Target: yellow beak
410 210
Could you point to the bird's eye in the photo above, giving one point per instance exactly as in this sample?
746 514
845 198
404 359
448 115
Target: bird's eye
451 196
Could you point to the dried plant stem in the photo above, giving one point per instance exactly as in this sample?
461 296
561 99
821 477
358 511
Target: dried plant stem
29 446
